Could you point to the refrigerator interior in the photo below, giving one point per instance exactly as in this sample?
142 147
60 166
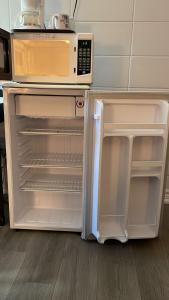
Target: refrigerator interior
49 172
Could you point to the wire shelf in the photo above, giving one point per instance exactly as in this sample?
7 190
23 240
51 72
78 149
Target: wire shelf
53 182
55 131
54 160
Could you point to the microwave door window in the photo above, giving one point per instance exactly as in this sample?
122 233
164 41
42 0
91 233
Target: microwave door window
42 58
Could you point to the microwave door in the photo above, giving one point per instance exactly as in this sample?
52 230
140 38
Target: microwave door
5 56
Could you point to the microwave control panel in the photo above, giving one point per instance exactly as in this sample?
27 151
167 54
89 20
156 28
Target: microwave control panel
84 57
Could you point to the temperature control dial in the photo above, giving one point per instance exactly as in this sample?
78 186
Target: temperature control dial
80 103
80 106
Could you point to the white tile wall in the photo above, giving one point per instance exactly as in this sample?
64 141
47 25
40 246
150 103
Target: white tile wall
151 38
150 72
142 47
107 10
4 14
15 6
151 10
111 72
131 38
149 68
110 38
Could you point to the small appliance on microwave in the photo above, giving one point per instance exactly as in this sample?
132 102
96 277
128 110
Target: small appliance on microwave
46 56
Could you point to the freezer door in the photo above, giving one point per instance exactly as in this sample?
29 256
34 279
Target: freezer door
5 56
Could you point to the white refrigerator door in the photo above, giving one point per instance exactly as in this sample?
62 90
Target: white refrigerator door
128 164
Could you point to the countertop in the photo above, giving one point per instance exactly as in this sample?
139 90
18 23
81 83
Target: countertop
12 84
107 94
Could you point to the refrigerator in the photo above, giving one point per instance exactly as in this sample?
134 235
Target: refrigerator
85 161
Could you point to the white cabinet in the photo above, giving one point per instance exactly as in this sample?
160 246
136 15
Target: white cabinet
130 141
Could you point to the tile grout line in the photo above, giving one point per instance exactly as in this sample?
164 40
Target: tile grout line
9 9
70 9
131 48
120 21
136 55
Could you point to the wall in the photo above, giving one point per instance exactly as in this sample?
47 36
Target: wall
131 39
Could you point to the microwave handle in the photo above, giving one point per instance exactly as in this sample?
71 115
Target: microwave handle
5 47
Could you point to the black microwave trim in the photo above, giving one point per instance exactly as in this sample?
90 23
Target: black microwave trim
43 31
7 73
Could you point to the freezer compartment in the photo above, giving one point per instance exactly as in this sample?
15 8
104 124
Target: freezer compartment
113 187
144 207
49 211
46 106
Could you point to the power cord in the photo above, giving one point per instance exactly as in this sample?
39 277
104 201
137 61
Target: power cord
75 7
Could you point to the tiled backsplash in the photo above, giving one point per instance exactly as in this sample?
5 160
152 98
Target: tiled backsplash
131 38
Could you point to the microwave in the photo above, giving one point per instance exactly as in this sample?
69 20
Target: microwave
46 56
5 56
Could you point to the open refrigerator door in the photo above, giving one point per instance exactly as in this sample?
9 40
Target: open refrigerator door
130 143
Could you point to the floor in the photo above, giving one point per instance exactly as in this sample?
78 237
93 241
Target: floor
50 265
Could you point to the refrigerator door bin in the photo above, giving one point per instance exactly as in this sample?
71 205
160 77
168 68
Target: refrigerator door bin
144 207
146 171
136 113
148 148
111 129
111 226
113 189
167 190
